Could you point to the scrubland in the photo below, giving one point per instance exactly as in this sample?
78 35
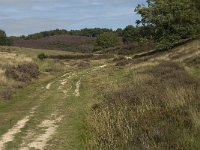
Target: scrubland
118 102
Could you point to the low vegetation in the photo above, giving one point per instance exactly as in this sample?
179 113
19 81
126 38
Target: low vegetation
159 111
42 56
132 88
59 42
19 67
23 72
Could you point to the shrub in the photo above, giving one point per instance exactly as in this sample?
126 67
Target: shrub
42 56
23 72
107 40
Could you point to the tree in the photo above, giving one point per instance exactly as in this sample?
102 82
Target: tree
169 20
130 34
119 32
2 37
107 40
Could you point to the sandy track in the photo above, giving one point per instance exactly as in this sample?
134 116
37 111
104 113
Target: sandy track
99 67
77 90
40 141
48 126
78 83
10 135
49 85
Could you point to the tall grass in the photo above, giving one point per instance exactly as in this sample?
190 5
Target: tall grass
161 112
3 79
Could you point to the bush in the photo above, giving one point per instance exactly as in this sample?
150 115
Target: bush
42 56
107 40
23 72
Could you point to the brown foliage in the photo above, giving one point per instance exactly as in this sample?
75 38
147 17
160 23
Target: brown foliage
23 72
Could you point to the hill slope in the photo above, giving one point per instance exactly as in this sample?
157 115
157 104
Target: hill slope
60 42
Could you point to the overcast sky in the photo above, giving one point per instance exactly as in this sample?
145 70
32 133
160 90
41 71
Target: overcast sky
19 17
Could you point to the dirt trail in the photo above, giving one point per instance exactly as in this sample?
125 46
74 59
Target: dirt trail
99 67
78 83
40 141
10 135
49 85
77 90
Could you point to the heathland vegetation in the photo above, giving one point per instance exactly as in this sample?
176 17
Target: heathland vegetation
131 88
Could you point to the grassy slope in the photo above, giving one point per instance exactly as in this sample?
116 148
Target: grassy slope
111 123
73 131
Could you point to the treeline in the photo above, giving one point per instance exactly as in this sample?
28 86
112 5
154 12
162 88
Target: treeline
93 32
129 34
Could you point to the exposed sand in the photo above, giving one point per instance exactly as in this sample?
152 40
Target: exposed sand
40 141
10 135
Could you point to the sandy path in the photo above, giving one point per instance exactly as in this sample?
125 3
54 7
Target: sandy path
40 141
63 82
48 127
10 135
64 75
78 83
49 85
99 67
77 90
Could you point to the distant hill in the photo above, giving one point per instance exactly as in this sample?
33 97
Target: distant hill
59 42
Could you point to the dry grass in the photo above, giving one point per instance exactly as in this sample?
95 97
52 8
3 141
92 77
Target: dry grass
161 112
9 58
3 79
12 58
15 66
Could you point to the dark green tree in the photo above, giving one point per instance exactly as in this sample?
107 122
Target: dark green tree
130 34
119 32
169 20
107 39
